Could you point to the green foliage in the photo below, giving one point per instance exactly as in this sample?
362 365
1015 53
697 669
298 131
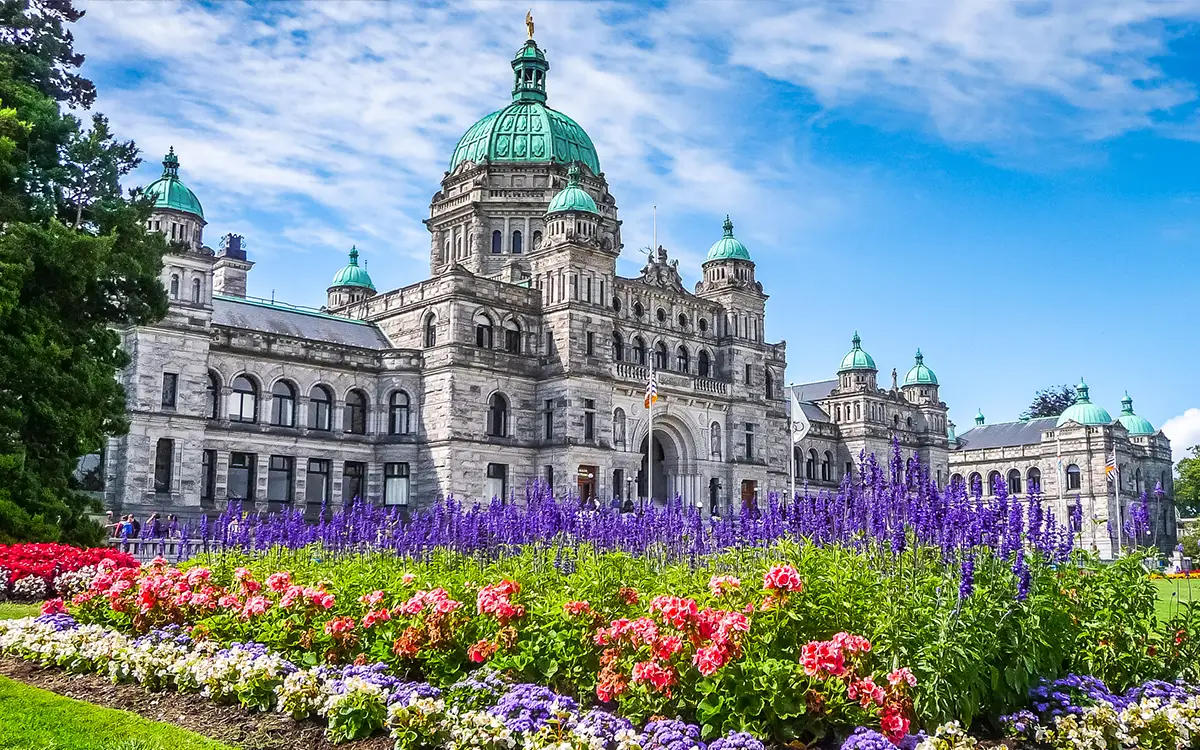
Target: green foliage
76 265
1050 402
1187 491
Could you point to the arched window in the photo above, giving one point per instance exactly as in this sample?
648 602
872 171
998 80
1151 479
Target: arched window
683 320
838 413
769 384
714 433
174 286
974 482
398 408
702 324
320 409
354 416
702 364
497 416
993 484
196 291
638 310
827 467
516 245
660 355
1074 478
283 404
1137 480
618 431
810 465
537 239
1014 481
430 331
243 402
213 408
682 359
955 479
908 421
512 336
639 350
483 330
497 242
1033 479
618 347
895 420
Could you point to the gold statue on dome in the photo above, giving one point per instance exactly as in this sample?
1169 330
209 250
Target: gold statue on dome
529 22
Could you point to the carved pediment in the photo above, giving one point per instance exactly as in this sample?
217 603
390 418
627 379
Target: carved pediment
661 272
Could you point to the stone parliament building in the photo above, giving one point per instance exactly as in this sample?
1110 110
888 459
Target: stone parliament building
523 356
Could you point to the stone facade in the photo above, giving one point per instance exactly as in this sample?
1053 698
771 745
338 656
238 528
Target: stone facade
524 356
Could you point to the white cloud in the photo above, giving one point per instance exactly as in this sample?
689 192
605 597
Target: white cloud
1184 432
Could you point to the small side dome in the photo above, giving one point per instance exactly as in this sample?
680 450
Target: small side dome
979 418
1136 425
728 247
169 191
919 374
352 274
1083 411
572 197
856 358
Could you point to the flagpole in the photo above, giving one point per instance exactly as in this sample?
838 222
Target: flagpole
649 395
1117 497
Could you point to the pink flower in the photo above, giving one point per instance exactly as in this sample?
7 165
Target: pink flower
407 578
372 599
255 606
340 627
782 578
851 643
574 609
675 610
322 599
903 674
494 600
480 651
291 596
53 607
893 723
654 673
375 616
722 585
709 659
667 647
866 692
229 601
196 576
278 582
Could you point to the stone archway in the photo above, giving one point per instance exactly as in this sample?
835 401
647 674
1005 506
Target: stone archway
673 469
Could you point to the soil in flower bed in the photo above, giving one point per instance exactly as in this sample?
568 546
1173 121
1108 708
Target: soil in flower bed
228 724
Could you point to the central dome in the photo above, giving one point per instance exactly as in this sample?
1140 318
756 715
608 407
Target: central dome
527 130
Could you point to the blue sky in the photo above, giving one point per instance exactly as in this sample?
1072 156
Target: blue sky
1010 186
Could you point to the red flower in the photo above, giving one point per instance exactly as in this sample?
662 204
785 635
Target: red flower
783 578
627 595
574 609
659 676
53 607
481 651
340 627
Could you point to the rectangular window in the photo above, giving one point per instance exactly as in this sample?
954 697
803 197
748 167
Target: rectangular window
849 468
587 288
574 287
589 420
550 477
164 460
208 476
279 479
496 485
749 442
169 390
590 344
395 484
241 476
548 418
748 373
354 474
316 486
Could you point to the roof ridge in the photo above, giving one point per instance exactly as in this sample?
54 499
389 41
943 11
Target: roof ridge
285 307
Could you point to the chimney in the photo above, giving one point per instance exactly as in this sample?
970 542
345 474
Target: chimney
229 272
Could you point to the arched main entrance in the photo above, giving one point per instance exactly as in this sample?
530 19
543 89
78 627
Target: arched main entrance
672 470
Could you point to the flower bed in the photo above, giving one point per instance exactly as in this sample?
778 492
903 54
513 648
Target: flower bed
32 572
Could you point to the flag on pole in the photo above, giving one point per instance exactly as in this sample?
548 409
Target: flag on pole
1110 468
800 423
651 389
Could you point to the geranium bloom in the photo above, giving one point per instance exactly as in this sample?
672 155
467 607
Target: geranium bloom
494 600
407 578
667 646
822 659
340 627
709 659
782 578
322 599
255 606
722 585
851 643
480 652
893 723
53 607
903 674
627 595
278 582
866 692
656 674
675 610
291 596
372 599
229 601
375 616
574 609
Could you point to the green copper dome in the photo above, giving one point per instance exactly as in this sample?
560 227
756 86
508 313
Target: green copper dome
1084 411
169 192
352 274
856 358
527 130
728 247
919 374
979 418
572 197
1135 424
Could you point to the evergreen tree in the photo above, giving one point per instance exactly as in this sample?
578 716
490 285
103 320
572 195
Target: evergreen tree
1187 483
76 266
1050 402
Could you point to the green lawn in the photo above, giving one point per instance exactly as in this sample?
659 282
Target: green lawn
10 611
1172 593
33 719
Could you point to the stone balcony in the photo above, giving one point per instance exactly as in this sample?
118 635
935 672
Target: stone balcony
635 373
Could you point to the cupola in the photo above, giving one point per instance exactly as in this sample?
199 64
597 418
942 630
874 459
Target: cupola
351 284
979 420
856 358
1083 411
728 247
572 215
177 213
1135 424
919 374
